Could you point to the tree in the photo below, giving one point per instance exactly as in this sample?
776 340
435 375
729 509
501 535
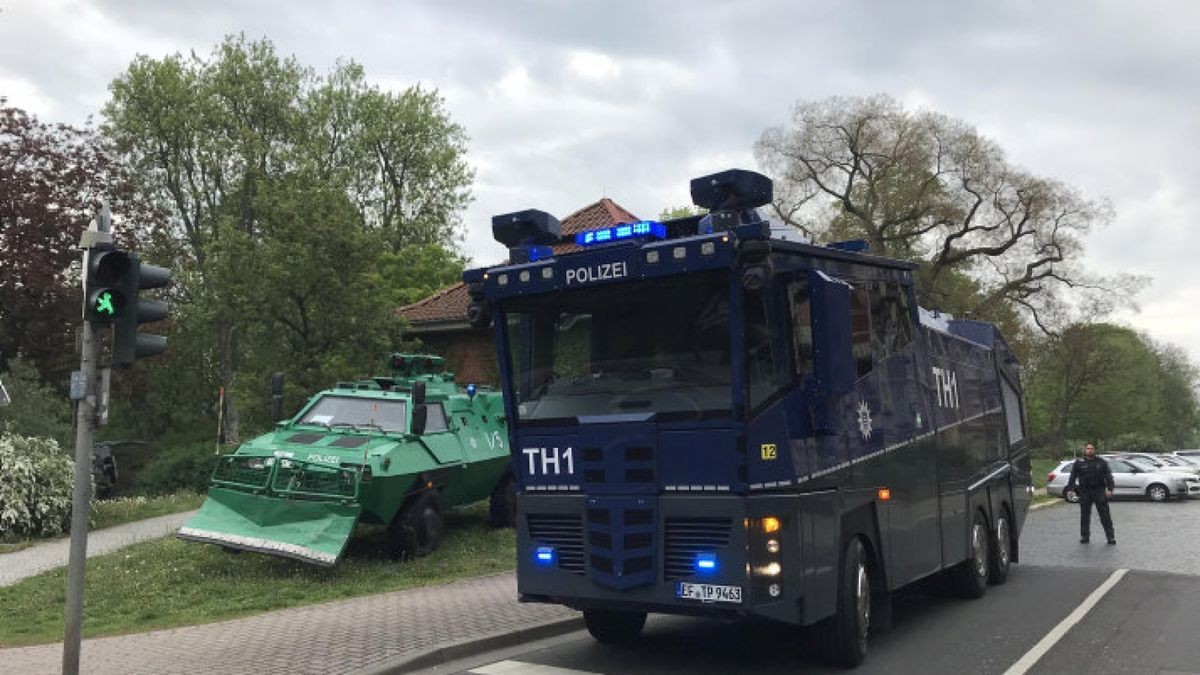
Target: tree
925 187
290 192
52 180
1102 381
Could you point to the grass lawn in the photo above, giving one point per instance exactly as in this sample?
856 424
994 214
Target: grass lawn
1041 469
109 512
167 583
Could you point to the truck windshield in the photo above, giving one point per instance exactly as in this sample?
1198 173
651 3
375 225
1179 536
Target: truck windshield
364 413
657 346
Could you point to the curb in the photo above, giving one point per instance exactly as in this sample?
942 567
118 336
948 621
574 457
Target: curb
1046 505
437 656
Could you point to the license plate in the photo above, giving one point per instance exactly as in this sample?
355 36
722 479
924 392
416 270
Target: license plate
708 592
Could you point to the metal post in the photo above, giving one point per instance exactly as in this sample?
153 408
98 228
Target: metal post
81 506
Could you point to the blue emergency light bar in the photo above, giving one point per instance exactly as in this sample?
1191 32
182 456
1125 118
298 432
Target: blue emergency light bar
606 235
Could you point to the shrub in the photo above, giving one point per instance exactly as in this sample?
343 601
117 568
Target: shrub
36 478
1133 442
181 467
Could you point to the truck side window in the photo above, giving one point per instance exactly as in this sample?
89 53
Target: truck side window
860 328
764 370
802 339
891 323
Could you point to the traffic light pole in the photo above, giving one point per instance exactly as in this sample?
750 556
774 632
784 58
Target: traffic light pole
81 508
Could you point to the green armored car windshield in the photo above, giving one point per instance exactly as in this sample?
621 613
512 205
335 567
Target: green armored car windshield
346 411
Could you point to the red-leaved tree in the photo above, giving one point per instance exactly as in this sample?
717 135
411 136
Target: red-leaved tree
52 180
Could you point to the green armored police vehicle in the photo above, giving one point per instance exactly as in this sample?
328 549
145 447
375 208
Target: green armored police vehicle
395 450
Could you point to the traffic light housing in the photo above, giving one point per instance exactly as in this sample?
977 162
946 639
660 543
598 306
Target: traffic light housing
105 297
128 343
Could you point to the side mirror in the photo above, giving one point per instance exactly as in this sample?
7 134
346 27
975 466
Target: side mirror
420 415
418 393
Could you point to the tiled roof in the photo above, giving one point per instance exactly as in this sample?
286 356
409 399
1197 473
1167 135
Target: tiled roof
450 304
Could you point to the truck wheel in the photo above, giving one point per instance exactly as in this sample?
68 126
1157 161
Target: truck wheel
417 530
613 626
970 577
1000 553
503 505
842 638
1158 492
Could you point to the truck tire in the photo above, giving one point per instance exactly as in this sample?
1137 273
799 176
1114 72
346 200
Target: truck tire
1000 553
970 577
841 639
614 626
416 531
502 507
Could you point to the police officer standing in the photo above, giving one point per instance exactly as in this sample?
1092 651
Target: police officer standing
1092 480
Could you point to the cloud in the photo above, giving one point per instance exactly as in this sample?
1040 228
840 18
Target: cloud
568 102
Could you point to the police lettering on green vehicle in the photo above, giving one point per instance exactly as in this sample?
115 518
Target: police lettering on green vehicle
396 450
707 419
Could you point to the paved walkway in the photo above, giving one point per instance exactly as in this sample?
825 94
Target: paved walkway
347 636
47 556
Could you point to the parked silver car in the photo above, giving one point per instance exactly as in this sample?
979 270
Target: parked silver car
1161 462
1132 480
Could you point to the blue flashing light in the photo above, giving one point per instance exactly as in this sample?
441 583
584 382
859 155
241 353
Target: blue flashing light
852 245
706 563
471 390
645 228
544 555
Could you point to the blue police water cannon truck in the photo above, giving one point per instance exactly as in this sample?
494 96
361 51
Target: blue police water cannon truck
708 420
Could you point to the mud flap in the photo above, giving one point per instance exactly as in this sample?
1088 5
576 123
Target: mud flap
310 531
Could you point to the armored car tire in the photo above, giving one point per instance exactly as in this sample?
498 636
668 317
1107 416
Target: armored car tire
417 530
502 507
970 577
614 626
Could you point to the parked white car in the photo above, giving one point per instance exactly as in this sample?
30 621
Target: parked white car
1161 462
1132 480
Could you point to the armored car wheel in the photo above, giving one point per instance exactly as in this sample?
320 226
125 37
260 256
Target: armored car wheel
502 508
613 626
970 577
417 530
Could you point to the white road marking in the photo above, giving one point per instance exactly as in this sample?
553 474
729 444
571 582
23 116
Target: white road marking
515 667
1039 650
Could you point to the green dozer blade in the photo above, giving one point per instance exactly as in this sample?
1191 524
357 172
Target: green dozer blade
311 531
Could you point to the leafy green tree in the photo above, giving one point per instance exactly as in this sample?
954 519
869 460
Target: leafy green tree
926 187
297 197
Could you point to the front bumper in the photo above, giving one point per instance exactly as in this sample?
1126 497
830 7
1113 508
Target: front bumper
634 552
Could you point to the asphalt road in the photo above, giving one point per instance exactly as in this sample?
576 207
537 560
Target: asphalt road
1147 622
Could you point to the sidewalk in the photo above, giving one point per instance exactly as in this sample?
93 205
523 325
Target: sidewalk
365 634
47 556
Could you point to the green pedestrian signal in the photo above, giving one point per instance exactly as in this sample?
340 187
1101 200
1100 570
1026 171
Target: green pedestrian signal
104 304
103 289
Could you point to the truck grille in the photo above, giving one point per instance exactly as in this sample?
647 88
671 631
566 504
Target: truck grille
562 531
686 537
619 469
621 541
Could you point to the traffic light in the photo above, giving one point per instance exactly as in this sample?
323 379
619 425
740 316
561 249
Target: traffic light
128 343
104 294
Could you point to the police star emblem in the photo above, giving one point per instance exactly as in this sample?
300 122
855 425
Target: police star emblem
864 420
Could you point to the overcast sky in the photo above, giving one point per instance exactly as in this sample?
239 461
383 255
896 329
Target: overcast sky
566 102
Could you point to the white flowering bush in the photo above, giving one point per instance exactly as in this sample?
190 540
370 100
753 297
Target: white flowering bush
36 477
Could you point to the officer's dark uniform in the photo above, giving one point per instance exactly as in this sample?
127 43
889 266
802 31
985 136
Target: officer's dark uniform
1089 479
